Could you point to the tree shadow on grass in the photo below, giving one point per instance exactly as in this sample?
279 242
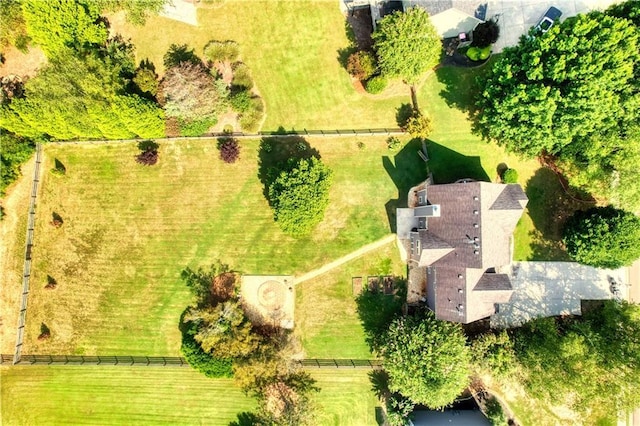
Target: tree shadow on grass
403 114
246 419
448 165
461 86
406 170
345 52
277 154
549 207
377 309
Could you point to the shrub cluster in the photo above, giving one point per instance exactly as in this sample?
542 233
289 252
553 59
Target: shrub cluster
510 176
229 150
419 125
376 84
362 65
222 51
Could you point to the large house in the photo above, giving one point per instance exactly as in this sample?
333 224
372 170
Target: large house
457 239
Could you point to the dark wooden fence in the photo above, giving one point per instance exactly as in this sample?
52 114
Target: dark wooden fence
240 135
168 361
31 223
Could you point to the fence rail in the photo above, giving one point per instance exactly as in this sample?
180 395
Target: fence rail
241 135
167 361
31 223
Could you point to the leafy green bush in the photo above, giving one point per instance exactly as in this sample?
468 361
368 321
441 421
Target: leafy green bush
479 54
486 33
510 176
604 237
240 101
399 409
251 119
376 84
494 413
393 143
419 125
146 80
196 128
222 51
15 151
299 195
202 361
362 64
241 76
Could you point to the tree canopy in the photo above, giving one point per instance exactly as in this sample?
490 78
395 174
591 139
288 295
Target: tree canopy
56 25
137 11
603 237
590 363
571 93
75 97
299 195
427 360
407 44
191 93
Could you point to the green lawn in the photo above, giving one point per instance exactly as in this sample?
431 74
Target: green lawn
129 230
326 317
118 396
292 49
346 398
36 395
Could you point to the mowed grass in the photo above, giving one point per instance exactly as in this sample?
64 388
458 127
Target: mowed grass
292 49
37 395
346 397
129 230
327 320
45 395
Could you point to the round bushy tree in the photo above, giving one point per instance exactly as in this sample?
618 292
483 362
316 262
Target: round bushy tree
427 360
604 237
300 194
486 33
419 125
510 176
229 150
376 84
407 44
361 64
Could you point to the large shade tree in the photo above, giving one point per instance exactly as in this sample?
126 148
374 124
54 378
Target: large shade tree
407 44
56 25
571 93
299 195
591 364
75 97
604 237
427 360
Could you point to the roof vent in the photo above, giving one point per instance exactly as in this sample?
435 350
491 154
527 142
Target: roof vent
460 307
475 198
460 276
475 225
476 252
476 239
460 290
476 212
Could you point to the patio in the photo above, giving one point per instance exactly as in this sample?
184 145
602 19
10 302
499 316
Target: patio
543 289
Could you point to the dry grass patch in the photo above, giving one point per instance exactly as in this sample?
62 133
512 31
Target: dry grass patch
129 230
326 317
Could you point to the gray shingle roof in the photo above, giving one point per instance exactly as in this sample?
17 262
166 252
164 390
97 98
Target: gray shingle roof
471 235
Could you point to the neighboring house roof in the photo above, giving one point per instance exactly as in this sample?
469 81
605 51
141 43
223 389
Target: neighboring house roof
463 244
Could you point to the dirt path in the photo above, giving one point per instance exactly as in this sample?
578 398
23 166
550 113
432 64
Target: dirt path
344 259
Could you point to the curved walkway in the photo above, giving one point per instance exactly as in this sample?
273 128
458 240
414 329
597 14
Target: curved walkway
344 259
